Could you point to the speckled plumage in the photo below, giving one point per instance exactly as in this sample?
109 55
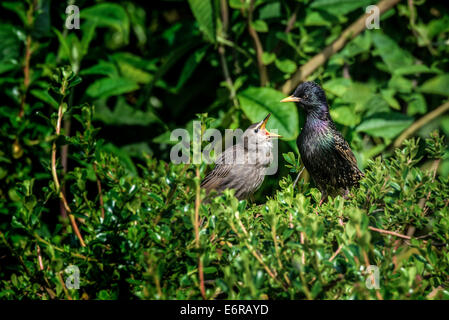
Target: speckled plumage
242 166
324 152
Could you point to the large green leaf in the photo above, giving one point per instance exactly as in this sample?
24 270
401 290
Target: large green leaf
256 103
385 125
107 87
203 10
437 85
391 53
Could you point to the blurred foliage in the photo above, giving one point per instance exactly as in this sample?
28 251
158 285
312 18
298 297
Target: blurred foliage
142 72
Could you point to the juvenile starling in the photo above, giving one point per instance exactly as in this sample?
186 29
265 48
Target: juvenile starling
242 166
324 152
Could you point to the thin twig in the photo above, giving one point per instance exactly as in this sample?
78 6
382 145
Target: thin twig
258 46
28 52
336 253
39 257
392 233
297 177
66 292
222 51
318 60
73 254
421 122
100 194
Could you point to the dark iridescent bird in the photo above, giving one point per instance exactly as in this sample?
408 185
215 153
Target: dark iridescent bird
325 153
242 166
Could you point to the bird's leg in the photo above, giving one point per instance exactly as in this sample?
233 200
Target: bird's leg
297 178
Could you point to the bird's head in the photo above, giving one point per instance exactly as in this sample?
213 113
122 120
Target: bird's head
310 96
257 134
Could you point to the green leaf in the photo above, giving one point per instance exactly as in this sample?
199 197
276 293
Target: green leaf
45 96
388 96
270 10
256 103
358 94
124 114
339 7
414 69
337 86
107 87
11 44
416 104
391 53
385 125
260 26
317 19
345 116
203 10
286 65
108 15
400 84
103 68
268 57
436 85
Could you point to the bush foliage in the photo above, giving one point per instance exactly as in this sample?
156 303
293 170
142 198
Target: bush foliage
85 176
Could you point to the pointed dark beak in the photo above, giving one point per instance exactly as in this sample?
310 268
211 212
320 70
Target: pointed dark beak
263 125
291 99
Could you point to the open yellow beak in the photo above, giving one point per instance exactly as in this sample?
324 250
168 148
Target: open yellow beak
291 99
263 125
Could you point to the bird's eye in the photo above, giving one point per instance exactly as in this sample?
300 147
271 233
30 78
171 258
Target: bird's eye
257 130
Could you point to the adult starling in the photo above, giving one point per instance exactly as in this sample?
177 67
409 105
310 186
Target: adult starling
324 152
242 166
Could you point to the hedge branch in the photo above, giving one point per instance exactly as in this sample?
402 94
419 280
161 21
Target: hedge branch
421 122
318 60
197 233
55 173
392 233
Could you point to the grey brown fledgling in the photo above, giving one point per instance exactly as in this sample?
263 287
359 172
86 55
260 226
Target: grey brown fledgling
242 166
324 152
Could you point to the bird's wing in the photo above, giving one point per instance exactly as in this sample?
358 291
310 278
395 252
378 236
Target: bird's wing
223 166
345 152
